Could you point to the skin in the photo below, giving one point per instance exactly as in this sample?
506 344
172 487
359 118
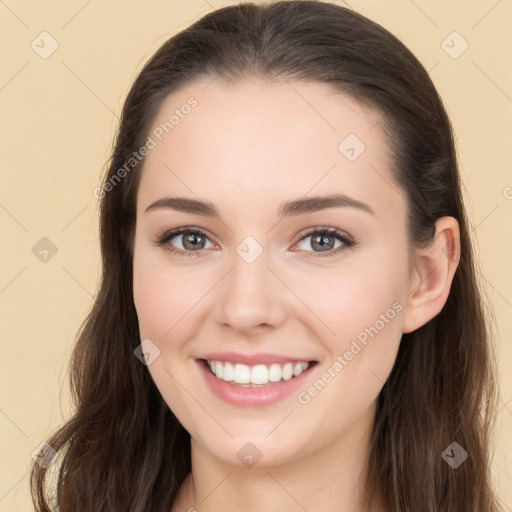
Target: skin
247 147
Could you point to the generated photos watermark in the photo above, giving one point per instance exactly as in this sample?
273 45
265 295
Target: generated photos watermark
152 141
304 397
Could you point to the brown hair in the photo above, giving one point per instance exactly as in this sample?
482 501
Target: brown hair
123 449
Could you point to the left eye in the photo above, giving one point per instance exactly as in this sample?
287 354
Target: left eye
325 239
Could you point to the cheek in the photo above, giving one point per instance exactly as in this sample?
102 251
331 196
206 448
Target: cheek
169 302
160 294
161 301
353 297
152 300
362 305
363 308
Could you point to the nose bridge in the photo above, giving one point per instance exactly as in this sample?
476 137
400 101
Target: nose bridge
250 295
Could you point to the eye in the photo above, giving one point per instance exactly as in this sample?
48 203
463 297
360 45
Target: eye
192 241
324 239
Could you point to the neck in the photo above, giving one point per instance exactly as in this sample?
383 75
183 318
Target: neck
329 479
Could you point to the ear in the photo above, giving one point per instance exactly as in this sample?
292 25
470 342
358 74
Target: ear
431 276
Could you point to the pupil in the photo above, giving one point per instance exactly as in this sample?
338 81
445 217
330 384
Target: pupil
322 241
192 239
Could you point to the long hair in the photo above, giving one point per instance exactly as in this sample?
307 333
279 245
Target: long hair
123 449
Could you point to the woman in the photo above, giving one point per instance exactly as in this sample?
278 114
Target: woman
289 317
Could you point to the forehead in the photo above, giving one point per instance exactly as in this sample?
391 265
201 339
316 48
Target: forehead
257 140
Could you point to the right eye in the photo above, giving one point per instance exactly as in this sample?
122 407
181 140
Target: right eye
192 241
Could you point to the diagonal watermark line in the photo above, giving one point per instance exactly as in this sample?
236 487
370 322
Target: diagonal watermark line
301 300
210 82
76 14
347 4
89 89
286 491
280 423
165 165
13 423
496 290
390 184
13 217
215 488
14 486
12 280
198 402
7 7
14 76
505 405
209 4
509 509
492 81
376 123
424 13
422 280
376 375
481 222
485 15
470 232
288 82
187 312
305 194
74 218
432 68
77 281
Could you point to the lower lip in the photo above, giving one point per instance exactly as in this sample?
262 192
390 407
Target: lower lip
241 396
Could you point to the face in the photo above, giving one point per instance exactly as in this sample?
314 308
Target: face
264 284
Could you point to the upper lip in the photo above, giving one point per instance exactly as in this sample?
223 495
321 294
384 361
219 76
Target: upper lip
252 359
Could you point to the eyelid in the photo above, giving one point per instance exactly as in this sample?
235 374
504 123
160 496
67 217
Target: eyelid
346 240
331 230
164 239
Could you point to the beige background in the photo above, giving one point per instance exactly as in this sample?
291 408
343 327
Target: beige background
58 117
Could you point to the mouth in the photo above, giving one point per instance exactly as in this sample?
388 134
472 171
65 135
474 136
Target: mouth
256 376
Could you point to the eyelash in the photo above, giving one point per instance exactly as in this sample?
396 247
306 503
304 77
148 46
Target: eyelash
347 240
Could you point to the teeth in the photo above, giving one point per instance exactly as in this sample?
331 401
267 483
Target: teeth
274 373
299 368
242 374
218 369
259 374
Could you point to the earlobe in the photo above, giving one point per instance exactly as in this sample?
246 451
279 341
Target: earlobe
432 276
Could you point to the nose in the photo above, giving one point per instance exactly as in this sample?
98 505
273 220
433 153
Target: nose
251 297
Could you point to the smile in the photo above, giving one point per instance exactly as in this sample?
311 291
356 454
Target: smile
257 375
255 385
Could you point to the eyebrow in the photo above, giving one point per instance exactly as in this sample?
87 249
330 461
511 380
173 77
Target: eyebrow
286 209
